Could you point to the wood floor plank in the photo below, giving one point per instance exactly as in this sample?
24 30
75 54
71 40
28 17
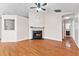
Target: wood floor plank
46 47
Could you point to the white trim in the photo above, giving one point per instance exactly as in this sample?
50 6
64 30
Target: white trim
53 39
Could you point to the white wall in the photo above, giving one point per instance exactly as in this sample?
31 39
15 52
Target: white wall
22 28
52 23
53 26
36 19
9 35
20 32
73 29
77 30
0 27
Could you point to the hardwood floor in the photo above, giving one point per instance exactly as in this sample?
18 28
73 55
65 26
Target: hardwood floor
39 48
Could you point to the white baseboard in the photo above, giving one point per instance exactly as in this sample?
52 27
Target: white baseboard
22 39
53 39
8 41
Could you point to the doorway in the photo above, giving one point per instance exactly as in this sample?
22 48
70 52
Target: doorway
67 26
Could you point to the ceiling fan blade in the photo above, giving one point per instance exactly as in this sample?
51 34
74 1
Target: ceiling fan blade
38 5
44 4
33 7
43 9
35 3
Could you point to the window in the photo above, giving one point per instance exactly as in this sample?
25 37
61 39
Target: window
9 24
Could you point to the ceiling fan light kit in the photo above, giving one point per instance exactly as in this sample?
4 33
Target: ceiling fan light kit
39 9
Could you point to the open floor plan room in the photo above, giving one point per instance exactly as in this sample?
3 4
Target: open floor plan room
39 29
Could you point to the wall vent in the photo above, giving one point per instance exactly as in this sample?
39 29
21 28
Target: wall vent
57 10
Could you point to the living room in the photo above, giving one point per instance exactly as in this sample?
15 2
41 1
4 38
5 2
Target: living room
43 28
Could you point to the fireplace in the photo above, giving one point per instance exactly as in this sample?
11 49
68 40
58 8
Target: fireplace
37 35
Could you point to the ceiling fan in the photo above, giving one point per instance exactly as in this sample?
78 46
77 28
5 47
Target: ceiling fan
39 6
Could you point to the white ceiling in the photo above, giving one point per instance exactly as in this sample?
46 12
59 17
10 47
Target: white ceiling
14 8
65 7
23 8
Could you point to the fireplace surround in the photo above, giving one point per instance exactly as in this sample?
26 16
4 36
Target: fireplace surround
37 32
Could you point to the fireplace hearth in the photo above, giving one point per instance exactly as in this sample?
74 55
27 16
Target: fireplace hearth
37 35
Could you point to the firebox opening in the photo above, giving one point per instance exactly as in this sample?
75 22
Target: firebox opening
37 35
